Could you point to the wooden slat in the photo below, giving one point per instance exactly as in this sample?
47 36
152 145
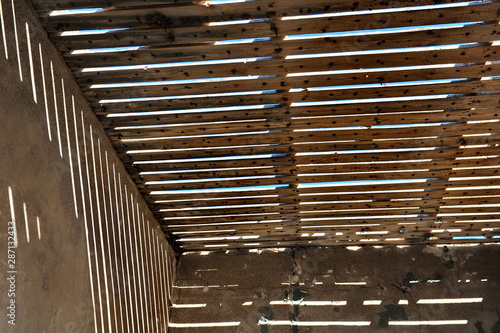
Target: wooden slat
380 91
473 71
331 134
287 242
387 133
276 161
47 6
270 144
218 128
346 232
479 53
375 201
274 47
187 183
247 138
331 169
449 104
137 12
335 225
314 243
147 34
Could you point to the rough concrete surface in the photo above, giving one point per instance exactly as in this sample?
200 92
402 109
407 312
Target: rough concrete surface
45 256
52 279
390 275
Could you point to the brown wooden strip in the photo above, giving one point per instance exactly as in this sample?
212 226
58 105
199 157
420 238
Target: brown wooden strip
167 14
275 97
452 141
204 129
211 183
449 104
146 33
223 126
375 200
274 47
468 86
330 133
480 53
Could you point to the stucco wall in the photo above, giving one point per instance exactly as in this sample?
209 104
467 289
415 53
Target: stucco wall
80 250
368 290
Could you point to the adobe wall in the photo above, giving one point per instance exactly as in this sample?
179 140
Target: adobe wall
79 249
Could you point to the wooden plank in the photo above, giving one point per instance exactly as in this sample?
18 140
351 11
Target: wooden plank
230 172
370 171
170 130
286 161
249 162
375 201
374 119
134 13
282 136
396 167
282 209
338 61
316 243
437 154
286 178
275 97
335 225
245 138
180 102
356 106
331 133
383 91
450 103
352 190
147 33
427 198
231 218
43 6
453 141
403 193
326 239
436 141
216 151
210 183
275 47
356 77
202 204
335 233
392 174
343 210
465 72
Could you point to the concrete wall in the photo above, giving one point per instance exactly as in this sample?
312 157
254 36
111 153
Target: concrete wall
79 249
414 289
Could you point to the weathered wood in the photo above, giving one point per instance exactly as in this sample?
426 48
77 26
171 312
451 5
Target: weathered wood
286 178
204 129
275 97
359 77
177 12
453 141
135 88
281 171
417 238
146 33
274 47
223 126
312 203
111 120
330 133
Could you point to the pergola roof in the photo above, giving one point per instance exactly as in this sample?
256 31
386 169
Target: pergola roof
288 123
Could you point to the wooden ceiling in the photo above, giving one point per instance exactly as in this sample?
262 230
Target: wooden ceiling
285 123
